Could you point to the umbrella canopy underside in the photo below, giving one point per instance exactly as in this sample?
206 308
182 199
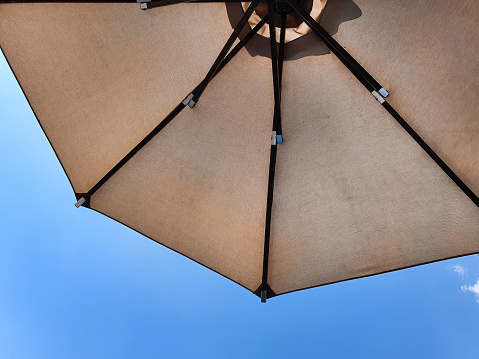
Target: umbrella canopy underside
354 194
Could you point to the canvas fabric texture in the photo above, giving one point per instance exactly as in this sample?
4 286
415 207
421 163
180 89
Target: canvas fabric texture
101 76
354 194
200 186
425 53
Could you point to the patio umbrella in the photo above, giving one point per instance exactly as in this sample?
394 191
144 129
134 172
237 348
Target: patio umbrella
259 139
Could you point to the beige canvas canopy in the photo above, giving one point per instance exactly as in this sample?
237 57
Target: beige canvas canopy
278 160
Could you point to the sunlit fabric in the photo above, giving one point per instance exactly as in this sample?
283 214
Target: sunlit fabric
354 194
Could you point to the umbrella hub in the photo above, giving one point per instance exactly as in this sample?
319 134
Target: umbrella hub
282 7
295 27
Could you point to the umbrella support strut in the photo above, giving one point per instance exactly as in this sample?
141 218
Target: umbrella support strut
144 4
211 73
275 68
83 199
264 291
149 4
87 1
379 93
358 71
282 38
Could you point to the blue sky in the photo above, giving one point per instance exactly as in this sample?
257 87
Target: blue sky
75 284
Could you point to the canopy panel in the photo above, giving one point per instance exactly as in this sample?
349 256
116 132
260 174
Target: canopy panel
354 193
101 76
200 185
426 53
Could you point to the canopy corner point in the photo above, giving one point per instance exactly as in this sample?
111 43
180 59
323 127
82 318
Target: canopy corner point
264 291
82 200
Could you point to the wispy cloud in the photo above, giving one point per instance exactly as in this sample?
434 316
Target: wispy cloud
460 270
473 289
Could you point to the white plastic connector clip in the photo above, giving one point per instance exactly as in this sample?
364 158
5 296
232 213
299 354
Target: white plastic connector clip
383 92
273 138
143 4
188 99
378 97
80 202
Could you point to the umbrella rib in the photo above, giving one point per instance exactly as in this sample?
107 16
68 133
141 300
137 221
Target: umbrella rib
62 1
241 44
264 291
275 68
452 175
369 82
146 4
84 198
196 94
358 71
282 38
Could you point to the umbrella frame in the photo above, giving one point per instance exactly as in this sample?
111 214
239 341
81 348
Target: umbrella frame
283 7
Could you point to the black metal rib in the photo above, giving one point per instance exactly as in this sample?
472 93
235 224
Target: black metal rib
60 1
153 4
431 153
197 93
264 291
242 43
167 120
130 154
369 82
148 5
274 66
282 38
358 71
237 48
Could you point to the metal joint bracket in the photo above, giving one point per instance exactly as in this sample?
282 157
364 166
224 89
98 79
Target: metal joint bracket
143 4
378 97
80 202
383 92
264 295
275 139
188 100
